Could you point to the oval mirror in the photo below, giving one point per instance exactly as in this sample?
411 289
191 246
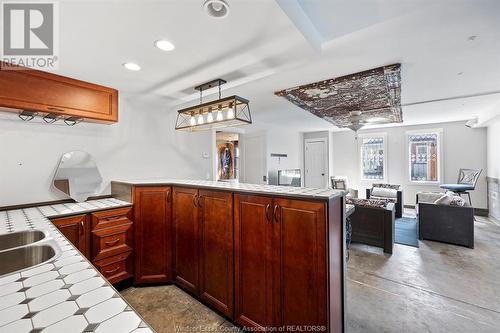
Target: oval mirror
77 176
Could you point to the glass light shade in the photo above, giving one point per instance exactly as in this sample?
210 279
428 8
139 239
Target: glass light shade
192 121
200 119
219 115
230 113
210 117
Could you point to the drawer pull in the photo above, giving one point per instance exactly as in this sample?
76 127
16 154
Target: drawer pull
113 242
113 218
111 271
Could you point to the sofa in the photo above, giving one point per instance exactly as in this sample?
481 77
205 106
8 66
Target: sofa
372 223
444 217
391 193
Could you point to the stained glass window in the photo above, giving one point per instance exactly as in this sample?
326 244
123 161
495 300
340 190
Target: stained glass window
372 158
423 150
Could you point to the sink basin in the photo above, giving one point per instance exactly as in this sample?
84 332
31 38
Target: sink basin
25 257
20 238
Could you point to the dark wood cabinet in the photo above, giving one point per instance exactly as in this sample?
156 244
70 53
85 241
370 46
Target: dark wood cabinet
111 233
203 245
33 90
253 240
186 238
280 262
76 230
269 262
300 256
153 234
216 249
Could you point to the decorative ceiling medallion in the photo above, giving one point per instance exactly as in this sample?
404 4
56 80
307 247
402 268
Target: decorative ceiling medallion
372 96
224 112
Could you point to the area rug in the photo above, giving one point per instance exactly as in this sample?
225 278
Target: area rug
406 231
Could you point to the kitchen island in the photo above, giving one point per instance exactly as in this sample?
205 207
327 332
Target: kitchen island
266 257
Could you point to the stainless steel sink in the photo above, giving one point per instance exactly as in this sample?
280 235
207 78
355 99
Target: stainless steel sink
20 238
25 257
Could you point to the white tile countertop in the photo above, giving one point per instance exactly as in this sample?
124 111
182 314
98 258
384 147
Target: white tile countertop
65 294
288 191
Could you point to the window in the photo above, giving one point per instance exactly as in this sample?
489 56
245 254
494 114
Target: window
373 149
423 150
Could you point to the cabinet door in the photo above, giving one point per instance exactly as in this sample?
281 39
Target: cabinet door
300 252
50 93
216 250
186 240
75 229
153 233
253 238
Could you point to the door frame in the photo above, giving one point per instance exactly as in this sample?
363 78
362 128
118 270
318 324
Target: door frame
327 170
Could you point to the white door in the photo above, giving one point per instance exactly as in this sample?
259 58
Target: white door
316 165
254 156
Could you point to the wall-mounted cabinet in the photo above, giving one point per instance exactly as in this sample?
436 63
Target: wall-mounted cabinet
33 90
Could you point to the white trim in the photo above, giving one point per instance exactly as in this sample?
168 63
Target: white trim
361 136
439 132
327 166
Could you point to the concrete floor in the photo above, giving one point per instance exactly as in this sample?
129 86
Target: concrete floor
434 288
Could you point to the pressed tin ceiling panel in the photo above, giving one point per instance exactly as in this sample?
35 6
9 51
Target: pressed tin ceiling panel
375 92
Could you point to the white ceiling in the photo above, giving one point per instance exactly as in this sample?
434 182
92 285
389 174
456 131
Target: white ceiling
262 47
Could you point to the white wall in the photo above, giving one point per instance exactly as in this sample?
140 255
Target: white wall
494 150
462 148
284 141
143 144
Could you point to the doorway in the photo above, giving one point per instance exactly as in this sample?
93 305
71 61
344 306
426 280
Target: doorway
228 156
316 163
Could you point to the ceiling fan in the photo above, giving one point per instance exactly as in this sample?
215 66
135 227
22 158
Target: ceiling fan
358 121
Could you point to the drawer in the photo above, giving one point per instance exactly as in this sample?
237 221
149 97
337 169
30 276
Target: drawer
108 242
116 268
110 218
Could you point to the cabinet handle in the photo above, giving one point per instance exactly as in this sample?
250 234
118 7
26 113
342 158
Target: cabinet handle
275 213
198 201
194 200
113 242
113 218
268 211
54 109
168 196
112 270
81 227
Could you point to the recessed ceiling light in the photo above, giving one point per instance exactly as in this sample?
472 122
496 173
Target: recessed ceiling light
216 8
131 66
164 45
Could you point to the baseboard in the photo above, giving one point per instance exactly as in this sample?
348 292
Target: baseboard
481 212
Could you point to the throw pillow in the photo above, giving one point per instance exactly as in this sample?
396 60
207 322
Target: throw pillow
446 199
384 192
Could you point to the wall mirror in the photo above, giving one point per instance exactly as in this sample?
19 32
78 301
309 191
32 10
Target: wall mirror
77 176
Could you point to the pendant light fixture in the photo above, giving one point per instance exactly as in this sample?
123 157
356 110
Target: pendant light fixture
223 112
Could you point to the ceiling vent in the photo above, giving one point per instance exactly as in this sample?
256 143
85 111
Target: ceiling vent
216 8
